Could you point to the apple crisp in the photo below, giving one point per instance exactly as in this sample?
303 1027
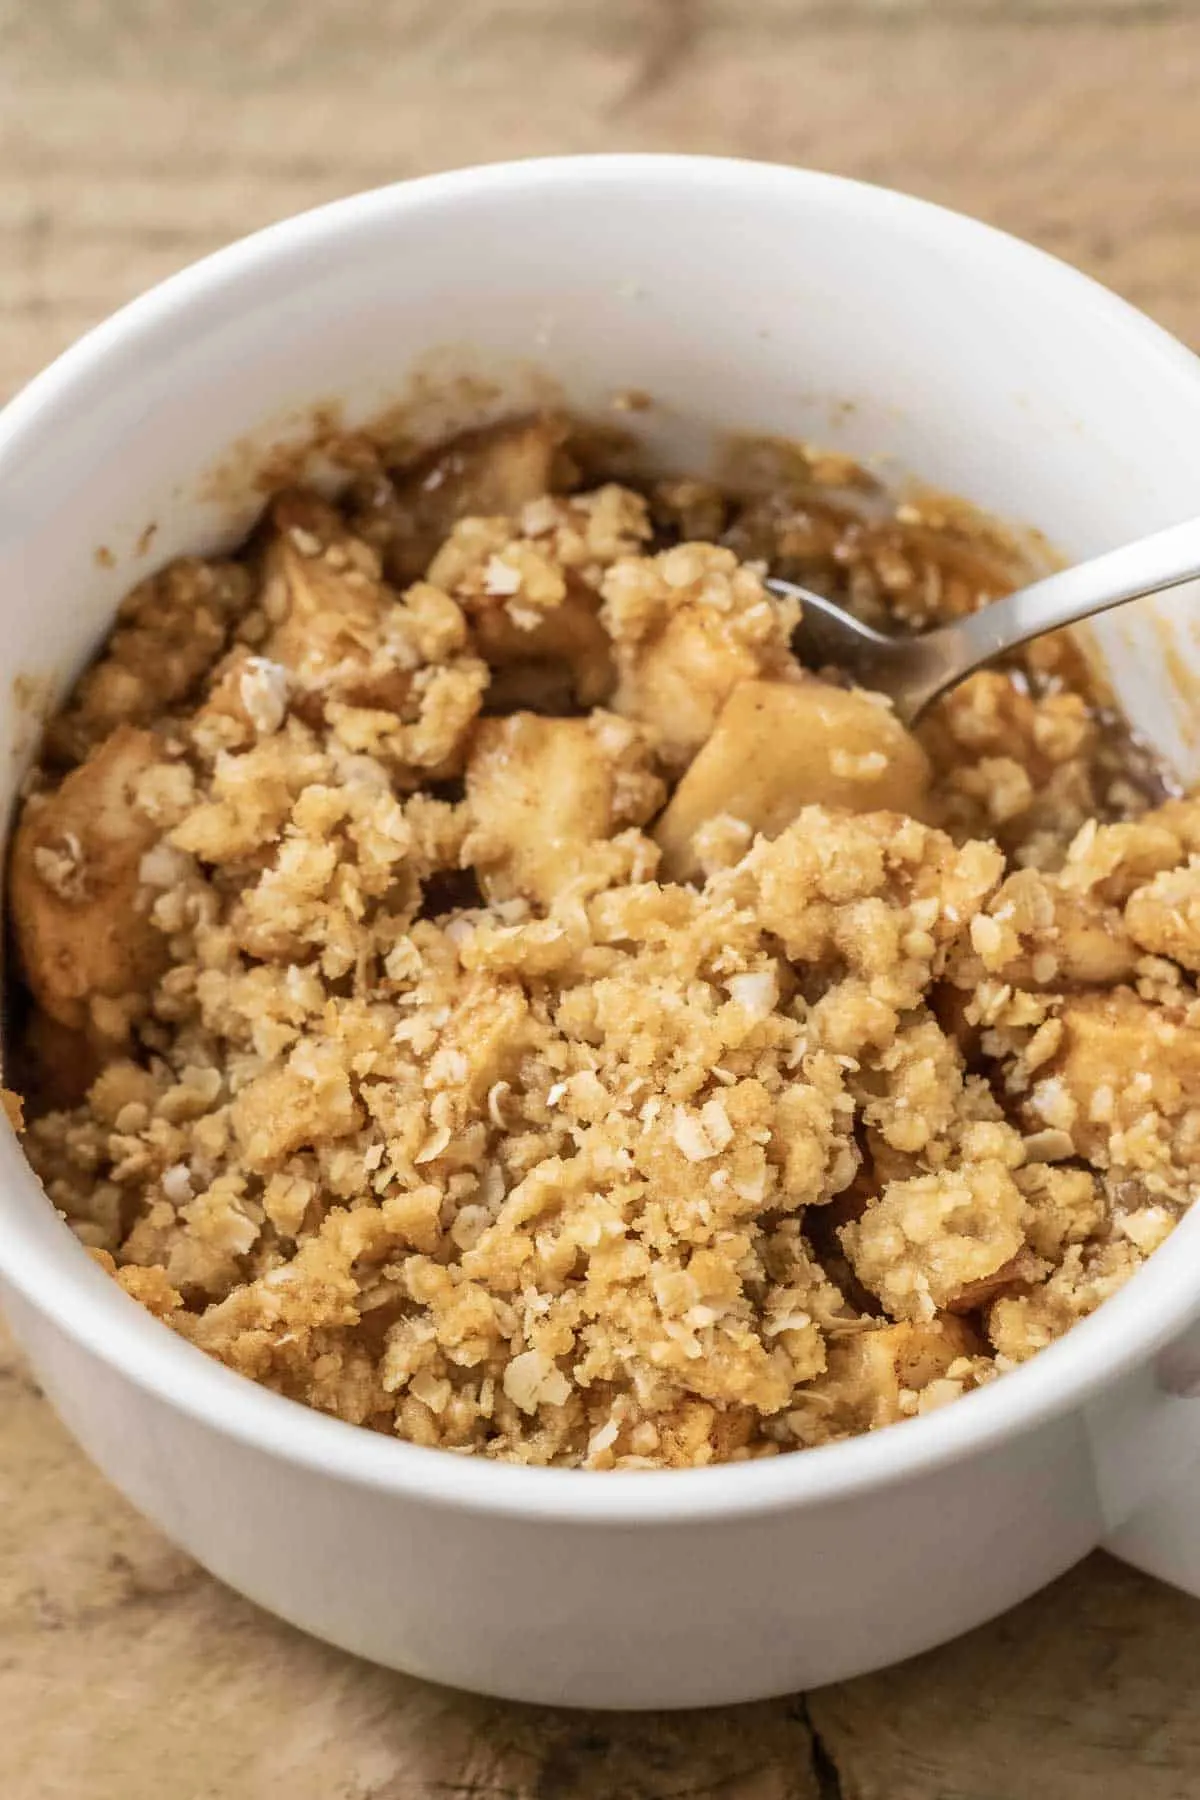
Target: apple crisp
479 985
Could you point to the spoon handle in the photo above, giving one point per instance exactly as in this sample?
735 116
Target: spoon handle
1164 560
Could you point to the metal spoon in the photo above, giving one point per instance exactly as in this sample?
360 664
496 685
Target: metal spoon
913 671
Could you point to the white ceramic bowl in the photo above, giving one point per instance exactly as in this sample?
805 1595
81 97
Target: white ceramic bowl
737 295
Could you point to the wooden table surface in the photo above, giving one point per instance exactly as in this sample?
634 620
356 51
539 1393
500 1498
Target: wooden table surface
134 136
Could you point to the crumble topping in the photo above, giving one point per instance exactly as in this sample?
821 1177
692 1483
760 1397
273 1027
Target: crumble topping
482 987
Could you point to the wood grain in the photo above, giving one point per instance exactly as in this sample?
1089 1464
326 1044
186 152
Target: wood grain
128 152
1089 1689
134 136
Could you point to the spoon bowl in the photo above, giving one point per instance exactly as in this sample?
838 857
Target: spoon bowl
914 671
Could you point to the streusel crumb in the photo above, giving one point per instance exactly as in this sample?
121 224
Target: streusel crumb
483 988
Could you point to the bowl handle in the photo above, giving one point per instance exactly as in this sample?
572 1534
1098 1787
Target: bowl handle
1162 1536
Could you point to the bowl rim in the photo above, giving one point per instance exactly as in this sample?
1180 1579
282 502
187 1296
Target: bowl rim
44 1264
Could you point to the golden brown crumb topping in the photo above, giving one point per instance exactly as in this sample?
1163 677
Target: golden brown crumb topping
482 987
